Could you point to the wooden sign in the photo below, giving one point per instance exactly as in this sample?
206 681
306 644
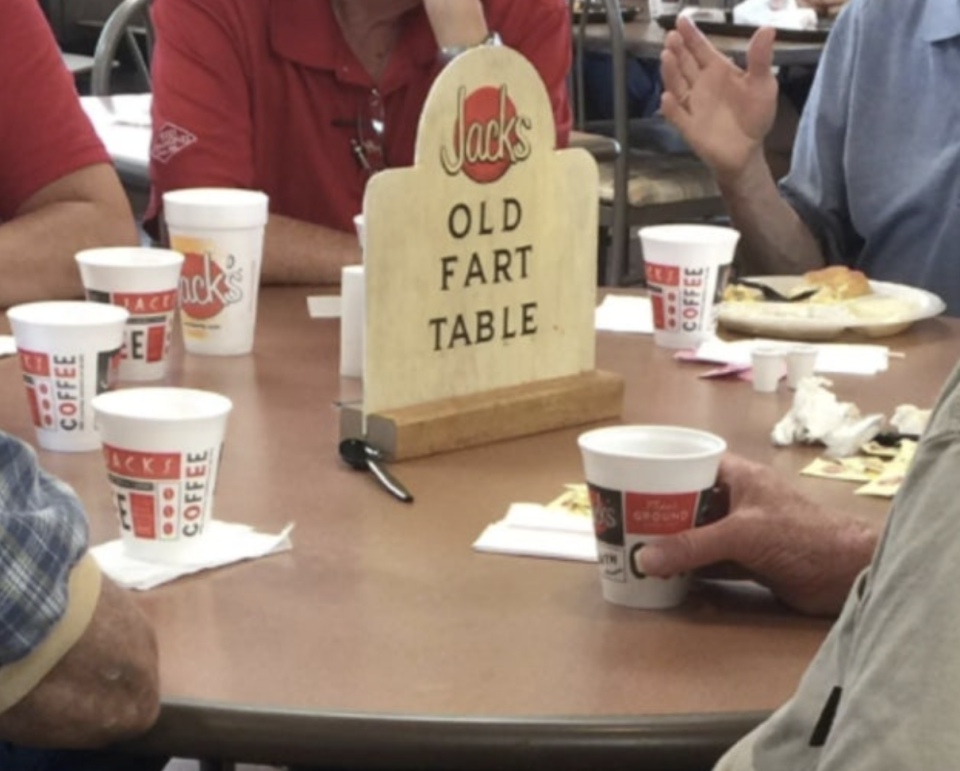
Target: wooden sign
481 257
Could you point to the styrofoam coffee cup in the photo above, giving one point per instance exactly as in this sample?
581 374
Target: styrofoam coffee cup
145 281
220 233
69 352
686 268
645 482
162 449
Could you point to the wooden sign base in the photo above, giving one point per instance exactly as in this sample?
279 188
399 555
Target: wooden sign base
490 416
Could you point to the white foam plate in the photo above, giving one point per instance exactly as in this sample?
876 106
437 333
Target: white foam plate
871 315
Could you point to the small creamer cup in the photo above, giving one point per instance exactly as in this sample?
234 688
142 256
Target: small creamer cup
686 268
220 233
768 364
145 281
69 352
801 363
162 450
645 483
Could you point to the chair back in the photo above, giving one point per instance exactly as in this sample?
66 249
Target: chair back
129 24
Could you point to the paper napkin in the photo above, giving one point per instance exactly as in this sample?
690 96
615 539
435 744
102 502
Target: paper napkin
224 544
532 530
621 313
7 346
846 358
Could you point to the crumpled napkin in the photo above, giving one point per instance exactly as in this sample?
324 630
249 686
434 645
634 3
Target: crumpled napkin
818 416
532 530
8 347
784 14
224 543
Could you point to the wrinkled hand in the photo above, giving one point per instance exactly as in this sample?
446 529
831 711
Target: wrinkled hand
722 111
456 22
808 556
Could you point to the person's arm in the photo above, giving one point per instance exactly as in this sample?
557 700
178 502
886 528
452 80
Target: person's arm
538 30
457 23
724 113
103 690
299 252
85 208
201 82
78 662
807 555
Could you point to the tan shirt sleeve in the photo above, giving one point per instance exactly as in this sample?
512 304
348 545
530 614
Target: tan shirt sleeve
20 677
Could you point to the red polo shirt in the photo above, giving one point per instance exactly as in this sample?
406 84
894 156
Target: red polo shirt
44 133
266 94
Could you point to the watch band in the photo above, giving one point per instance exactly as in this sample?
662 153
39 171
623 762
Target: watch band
449 53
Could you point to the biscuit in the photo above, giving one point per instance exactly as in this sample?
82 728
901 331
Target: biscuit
837 283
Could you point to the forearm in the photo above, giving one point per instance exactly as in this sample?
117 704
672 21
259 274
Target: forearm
456 22
774 239
103 689
82 210
298 252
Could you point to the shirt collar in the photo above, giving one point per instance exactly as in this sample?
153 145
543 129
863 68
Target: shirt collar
941 20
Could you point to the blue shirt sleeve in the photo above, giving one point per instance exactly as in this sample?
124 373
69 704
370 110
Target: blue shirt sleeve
816 186
43 534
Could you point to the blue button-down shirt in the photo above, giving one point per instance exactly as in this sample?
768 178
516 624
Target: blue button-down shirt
43 534
876 164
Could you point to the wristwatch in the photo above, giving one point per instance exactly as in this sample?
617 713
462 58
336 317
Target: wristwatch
449 53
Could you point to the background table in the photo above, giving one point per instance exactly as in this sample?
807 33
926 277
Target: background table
644 39
383 641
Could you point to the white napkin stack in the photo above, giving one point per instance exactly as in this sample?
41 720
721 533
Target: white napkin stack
532 530
624 313
783 14
224 543
7 345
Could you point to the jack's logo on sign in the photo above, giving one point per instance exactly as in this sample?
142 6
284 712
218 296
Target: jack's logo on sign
161 496
489 135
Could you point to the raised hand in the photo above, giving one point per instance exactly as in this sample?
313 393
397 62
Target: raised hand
722 111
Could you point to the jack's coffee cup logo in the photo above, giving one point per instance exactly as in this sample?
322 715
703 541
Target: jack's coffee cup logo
57 387
146 336
161 496
489 135
207 286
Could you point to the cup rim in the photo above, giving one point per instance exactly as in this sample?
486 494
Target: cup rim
52 313
710 444
693 232
129 402
129 257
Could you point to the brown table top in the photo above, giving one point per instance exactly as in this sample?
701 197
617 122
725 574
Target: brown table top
644 39
383 641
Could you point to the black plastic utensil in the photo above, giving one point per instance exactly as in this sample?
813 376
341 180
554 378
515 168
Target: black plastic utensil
362 456
769 293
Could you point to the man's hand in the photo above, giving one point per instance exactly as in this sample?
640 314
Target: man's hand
722 111
808 556
457 22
